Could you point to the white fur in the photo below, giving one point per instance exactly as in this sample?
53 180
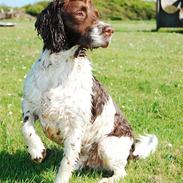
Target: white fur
145 146
103 124
58 90
114 152
97 35
97 131
181 14
33 141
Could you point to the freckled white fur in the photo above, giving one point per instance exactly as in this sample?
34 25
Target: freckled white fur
96 132
103 124
58 90
99 40
33 141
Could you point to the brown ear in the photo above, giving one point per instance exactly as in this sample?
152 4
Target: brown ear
49 25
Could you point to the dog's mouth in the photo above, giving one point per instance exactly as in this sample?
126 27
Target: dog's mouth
106 44
94 45
81 51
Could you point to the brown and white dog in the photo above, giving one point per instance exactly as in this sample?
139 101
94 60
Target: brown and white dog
72 106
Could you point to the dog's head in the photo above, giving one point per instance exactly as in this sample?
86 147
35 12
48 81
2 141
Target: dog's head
66 23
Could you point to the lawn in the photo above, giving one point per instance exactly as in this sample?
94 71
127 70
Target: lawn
142 70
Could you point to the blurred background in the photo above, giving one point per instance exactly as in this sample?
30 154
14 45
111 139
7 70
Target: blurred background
109 9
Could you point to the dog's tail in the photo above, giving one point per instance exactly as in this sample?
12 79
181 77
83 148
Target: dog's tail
144 146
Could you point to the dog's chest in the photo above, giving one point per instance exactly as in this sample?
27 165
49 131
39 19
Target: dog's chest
66 99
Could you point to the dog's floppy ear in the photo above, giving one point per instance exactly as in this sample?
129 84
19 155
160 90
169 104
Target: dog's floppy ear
50 26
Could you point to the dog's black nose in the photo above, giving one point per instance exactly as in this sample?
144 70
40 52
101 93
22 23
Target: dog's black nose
108 31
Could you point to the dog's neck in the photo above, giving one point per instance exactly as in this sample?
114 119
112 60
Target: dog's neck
70 54
76 51
80 52
59 68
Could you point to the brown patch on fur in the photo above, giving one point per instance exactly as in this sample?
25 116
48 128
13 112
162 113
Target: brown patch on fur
93 158
79 17
58 132
49 25
121 125
65 23
83 14
49 133
54 135
131 156
99 99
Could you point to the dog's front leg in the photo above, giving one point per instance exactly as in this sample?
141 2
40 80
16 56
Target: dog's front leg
35 146
72 147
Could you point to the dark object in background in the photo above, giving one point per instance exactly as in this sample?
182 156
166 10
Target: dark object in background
169 13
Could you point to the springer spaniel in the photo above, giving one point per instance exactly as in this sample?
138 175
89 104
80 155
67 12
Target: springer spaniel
72 106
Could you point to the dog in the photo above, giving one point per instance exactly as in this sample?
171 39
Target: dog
72 106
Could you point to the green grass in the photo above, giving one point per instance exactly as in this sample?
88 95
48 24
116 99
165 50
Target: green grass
142 70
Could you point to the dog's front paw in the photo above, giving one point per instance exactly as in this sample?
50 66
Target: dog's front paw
40 157
37 155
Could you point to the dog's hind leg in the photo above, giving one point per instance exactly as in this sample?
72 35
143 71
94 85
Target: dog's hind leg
35 146
114 152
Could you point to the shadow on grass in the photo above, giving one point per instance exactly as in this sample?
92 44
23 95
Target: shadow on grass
93 173
18 167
